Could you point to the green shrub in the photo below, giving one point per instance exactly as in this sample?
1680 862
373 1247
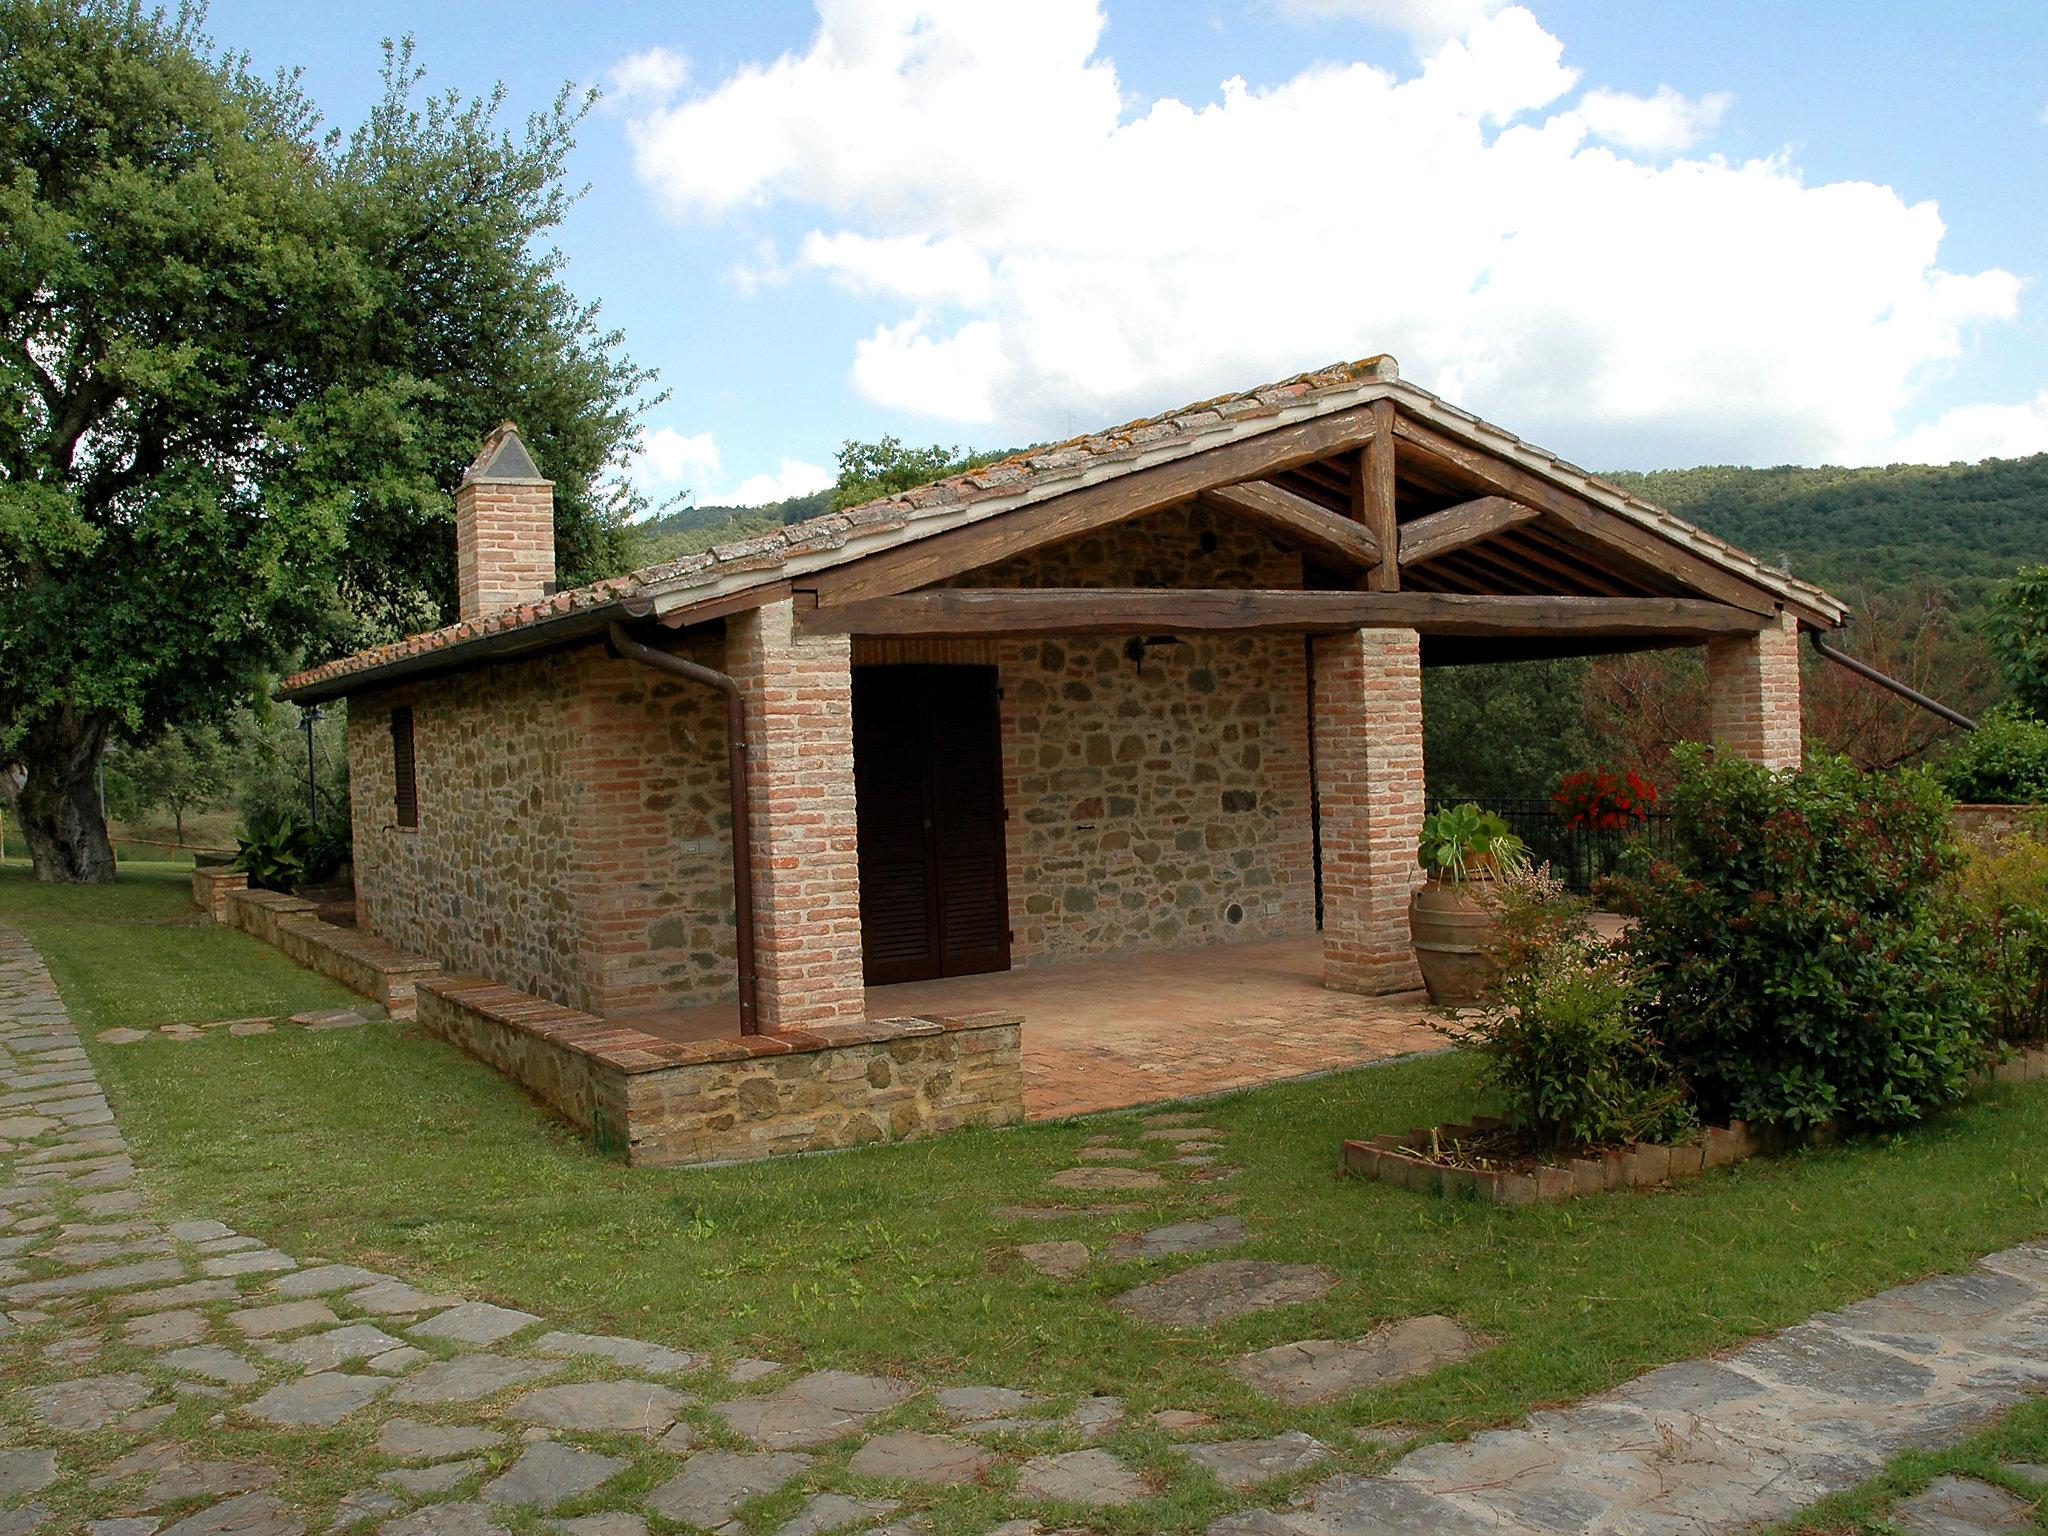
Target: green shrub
2005 899
2003 762
1803 945
282 853
1560 1037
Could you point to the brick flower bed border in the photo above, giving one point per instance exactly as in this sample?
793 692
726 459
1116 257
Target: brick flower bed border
1403 1161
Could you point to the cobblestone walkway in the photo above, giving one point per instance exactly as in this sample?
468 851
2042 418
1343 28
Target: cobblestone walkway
185 1380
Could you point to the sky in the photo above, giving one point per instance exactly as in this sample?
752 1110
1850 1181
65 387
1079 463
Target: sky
1645 235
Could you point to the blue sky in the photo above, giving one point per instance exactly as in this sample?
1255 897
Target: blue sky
1643 235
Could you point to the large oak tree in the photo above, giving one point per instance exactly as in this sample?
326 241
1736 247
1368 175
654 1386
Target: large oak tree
242 364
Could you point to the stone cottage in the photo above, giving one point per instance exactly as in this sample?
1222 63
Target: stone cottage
1155 689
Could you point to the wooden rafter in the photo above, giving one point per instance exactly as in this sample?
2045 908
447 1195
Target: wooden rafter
1589 526
1088 507
1326 532
1142 610
1425 538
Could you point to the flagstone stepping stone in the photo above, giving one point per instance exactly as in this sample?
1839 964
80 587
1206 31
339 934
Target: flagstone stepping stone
410 1440
160 1330
1962 1506
1213 1175
388 1298
1318 1370
247 1514
713 1484
2027 1472
122 1036
262 1261
1192 1162
614 1522
326 1278
251 1026
1062 1212
551 1473
630 1353
228 1245
447 1520
26 1471
1181 1237
920 1458
1386 1437
1062 1261
283 1317
175 1480
964 1405
396 1362
114 1277
90 1403
1094 1417
128 1525
852 1393
824 1512
1183 1133
367 1503
785 1423
25 1127
1246 1463
191 1293
332 1348
1110 1155
329 1018
1217 1292
469 1377
636 1407
475 1322
320 1401
1182 1418
214 1364
440 1478
1106 1178
1081 1477
744 1370
680 1437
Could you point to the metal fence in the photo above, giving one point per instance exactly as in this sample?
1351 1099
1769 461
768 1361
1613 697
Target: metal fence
1579 856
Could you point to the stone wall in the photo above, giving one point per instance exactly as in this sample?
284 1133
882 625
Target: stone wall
1991 827
360 961
1159 803
656 1101
573 829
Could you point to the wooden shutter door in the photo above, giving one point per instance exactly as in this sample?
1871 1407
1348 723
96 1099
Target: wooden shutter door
898 897
963 735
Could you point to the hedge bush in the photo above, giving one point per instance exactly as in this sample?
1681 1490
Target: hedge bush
2003 762
1801 944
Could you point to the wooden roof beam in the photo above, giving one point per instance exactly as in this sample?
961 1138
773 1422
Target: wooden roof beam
1326 532
1453 528
1373 503
1151 610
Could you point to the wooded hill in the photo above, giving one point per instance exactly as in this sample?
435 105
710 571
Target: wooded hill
1959 527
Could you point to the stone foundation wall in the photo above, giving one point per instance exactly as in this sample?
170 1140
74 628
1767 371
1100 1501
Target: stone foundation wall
212 884
573 835
658 1102
1991 827
359 961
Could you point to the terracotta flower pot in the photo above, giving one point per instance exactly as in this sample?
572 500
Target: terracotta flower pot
1453 935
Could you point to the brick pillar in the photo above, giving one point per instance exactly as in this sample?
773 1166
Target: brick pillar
1368 735
1754 687
805 840
504 528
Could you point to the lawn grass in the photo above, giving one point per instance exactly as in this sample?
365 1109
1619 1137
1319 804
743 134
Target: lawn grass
385 1146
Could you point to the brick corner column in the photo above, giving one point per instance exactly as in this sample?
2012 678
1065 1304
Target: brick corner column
1369 786
1753 684
805 838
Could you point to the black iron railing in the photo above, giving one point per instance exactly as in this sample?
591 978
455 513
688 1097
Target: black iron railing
1577 855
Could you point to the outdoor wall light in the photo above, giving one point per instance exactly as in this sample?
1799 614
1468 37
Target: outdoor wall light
1136 647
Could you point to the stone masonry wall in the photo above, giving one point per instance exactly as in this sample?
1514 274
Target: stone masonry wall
573 830
1159 804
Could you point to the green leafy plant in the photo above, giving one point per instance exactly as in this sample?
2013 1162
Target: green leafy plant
1562 1037
2005 899
1801 945
2003 762
1459 840
2018 624
282 852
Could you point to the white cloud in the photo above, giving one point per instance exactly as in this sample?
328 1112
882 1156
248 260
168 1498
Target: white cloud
1972 432
649 78
1428 22
1059 255
668 457
1656 125
793 478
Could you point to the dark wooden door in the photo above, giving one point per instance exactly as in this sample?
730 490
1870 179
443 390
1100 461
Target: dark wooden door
928 781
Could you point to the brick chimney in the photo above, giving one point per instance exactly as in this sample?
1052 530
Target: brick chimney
504 528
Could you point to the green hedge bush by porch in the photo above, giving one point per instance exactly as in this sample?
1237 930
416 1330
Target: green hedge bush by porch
1800 943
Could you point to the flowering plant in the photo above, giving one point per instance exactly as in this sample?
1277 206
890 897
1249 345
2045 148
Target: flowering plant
1593 797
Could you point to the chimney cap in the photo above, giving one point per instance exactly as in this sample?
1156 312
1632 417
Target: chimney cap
504 457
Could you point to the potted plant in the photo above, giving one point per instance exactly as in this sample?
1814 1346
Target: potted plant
1463 847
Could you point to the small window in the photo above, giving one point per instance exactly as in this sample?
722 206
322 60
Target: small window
404 778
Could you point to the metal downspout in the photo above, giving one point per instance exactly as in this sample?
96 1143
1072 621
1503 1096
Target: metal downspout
1910 695
742 840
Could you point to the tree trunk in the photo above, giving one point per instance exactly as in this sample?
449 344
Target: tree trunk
59 803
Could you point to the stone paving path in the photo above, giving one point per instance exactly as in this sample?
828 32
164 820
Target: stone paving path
158 1378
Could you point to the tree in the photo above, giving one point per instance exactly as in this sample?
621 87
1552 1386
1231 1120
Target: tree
2019 637
1912 636
1640 705
183 767
1505 731
243 365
